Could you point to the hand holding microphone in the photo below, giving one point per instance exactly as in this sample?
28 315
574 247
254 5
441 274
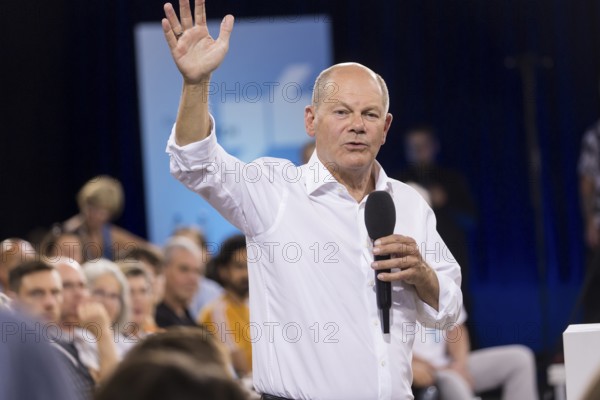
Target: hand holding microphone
398 252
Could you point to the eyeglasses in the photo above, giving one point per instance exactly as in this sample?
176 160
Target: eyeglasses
106 296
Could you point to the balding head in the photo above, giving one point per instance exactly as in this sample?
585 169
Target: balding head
13 251
325 87
75 289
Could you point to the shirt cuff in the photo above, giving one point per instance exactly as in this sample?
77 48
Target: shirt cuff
449 305
192 156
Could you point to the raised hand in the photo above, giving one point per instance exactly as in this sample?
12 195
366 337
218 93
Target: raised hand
194 51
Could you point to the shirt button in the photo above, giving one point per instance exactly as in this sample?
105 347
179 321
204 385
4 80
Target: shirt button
375 322
371 283
383 363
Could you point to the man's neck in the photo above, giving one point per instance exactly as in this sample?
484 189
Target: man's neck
176 306
236 297
358 183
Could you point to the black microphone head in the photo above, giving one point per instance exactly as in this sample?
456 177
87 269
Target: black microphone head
380 214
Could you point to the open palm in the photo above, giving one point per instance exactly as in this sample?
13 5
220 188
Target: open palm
194 51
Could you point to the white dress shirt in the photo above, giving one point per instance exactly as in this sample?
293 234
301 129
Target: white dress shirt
315 326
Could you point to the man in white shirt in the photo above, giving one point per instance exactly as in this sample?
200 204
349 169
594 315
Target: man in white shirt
314 324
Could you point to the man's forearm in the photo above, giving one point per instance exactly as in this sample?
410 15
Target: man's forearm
193 120
429 289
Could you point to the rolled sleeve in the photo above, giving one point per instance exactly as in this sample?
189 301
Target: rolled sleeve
449 305
193 156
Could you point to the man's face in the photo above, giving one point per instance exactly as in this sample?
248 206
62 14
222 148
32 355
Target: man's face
142 299
40 295
75 290
235 274
181 275
12 253
350 123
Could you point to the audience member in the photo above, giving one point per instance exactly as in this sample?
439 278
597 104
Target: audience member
29 369
85 323
589 190
37 289
443 357
183 267
142 300
208 289
228 317
195 342
108 286
160 375
13 251
100 201
449 195
57 243
153 262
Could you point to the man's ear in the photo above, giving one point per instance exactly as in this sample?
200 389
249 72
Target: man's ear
388 122
309 120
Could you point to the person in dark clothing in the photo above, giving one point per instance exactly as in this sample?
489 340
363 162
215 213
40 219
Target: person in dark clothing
449 194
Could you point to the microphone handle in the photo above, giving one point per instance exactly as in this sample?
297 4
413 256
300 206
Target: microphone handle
384 296
384 289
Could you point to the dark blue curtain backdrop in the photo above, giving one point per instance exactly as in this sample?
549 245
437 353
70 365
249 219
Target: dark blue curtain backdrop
71 112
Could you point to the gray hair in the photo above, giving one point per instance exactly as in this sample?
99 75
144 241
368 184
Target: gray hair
321 83
183 243
100 267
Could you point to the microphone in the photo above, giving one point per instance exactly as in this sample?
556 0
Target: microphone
380 219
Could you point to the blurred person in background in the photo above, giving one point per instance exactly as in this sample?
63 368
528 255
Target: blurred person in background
57 243
179 363
208 288
29 369
142 300
443 357
108 286
153 262
101 201
228 317
36 287
85 323
13 251
449 196
183 266
589 191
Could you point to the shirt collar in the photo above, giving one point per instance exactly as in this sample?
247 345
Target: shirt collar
317 175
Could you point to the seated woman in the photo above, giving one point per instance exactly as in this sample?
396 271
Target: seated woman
142 300
100 201
108 286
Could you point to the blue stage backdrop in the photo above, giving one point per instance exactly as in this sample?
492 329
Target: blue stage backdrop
257 97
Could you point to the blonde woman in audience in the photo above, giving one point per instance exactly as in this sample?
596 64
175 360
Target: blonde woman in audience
142 321
108 286
100 201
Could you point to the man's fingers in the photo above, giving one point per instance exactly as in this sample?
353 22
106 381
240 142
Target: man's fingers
401 263
186 15
396 249
200 12
172 18
226 29
395 239
395 276
169 35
